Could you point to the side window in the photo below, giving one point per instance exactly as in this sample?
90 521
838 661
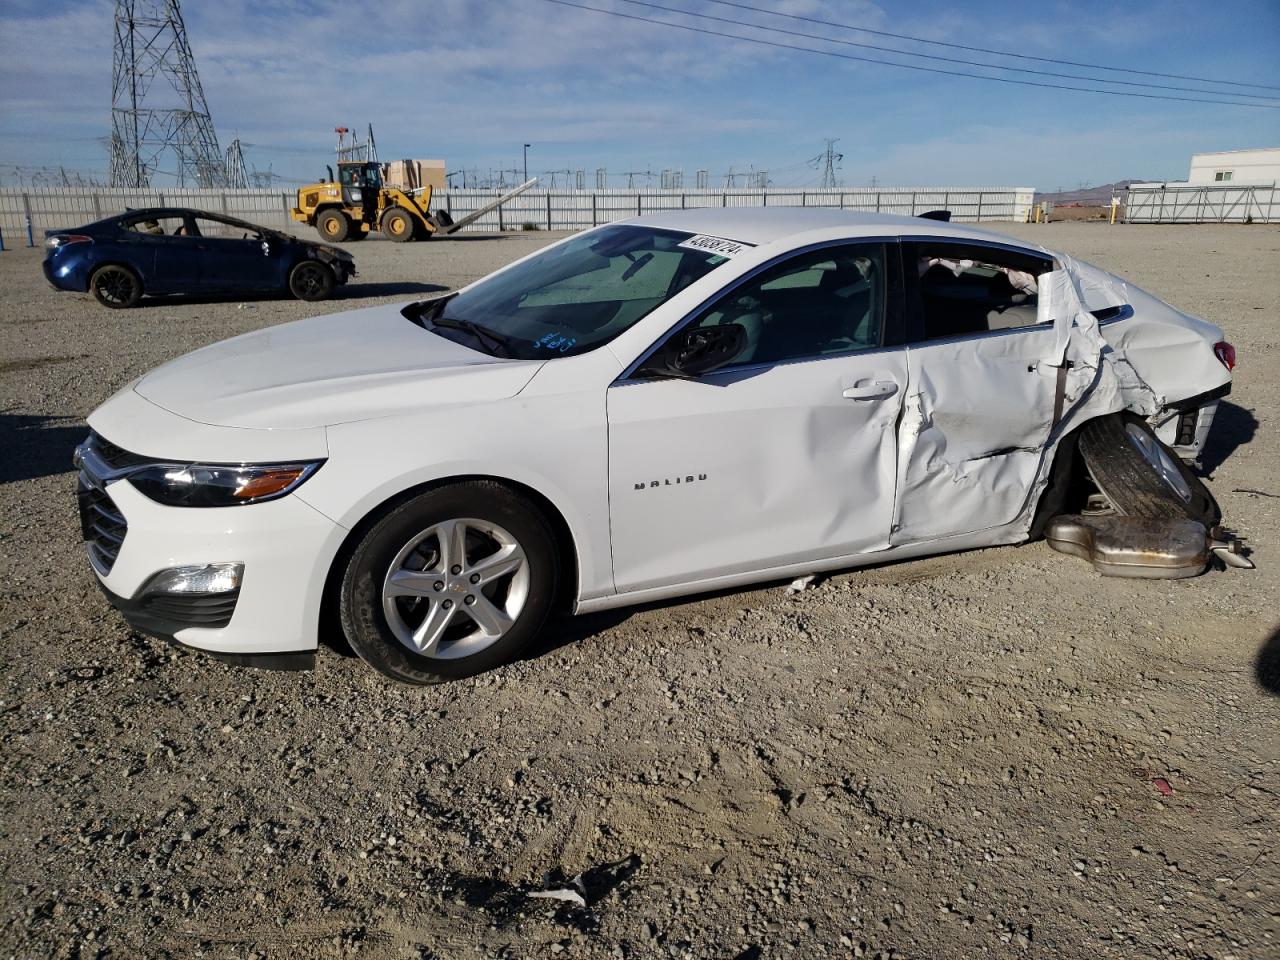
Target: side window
825 302
222 230
972 289
170 226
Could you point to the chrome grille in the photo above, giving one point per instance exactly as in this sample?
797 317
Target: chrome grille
113 456
102 526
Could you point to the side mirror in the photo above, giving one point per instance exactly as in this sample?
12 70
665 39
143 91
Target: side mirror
698 350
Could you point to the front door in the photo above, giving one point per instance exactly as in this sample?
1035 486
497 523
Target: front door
785 456
237 257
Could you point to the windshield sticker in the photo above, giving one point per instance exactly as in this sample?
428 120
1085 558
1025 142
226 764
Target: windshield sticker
717 245
555 342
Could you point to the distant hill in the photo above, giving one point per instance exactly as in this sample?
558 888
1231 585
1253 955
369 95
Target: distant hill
1089 196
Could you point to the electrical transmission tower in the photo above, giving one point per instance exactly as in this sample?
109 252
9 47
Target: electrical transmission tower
237 173
169 119
353 149
829 161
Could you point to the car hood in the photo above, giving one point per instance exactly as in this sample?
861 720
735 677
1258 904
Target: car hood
333 369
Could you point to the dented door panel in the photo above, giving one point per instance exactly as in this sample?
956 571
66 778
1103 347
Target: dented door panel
983 415
977 415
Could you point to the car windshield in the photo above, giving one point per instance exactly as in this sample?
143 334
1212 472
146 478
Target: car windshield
573 297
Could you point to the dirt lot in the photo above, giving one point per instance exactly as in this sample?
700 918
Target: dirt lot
961 756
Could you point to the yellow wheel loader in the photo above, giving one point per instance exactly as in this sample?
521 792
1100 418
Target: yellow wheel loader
358 203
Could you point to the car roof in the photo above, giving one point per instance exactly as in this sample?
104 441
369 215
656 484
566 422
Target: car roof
152 212
764 225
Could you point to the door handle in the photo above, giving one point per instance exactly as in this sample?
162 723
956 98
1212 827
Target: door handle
871 391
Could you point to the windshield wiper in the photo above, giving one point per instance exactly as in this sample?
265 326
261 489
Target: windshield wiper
420 309
496 340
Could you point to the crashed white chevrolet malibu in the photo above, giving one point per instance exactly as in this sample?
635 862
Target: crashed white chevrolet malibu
683 402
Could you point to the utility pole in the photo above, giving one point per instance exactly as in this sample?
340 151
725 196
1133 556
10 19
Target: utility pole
526 163
150 121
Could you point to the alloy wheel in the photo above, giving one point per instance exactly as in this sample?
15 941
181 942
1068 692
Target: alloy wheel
1160 460
455 588
115 286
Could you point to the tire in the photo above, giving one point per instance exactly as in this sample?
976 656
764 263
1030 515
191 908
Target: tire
442 218
405 629
116 287
397 225
311 280
1141 476
333 225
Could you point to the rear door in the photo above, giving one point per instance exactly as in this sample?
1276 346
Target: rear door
160 247
982 367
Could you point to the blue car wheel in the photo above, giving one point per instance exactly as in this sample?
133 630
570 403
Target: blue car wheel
115 286
310 280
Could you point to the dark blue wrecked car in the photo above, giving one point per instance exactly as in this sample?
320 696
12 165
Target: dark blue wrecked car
168 250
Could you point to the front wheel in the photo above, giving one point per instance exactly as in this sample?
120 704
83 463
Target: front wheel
450 584
310 280
115 286
397 225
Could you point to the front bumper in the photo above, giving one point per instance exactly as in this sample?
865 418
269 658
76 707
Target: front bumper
146 618
285 546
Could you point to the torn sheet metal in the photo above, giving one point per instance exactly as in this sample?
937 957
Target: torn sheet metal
983 415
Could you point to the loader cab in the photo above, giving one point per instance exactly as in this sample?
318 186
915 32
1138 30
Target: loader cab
357 176
360 174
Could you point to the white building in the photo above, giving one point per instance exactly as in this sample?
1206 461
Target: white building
1236 166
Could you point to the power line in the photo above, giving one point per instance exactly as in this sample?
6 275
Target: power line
999 53
941 59
906 66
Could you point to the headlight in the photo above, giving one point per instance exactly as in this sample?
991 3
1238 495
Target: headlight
214 485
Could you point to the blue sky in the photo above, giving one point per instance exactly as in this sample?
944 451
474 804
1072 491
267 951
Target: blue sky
471 80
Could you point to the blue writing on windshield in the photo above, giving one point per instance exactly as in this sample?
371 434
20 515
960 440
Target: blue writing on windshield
555 342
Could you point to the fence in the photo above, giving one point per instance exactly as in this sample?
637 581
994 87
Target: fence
578 209
58 208
1202 203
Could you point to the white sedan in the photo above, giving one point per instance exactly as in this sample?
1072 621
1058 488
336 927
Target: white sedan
684 402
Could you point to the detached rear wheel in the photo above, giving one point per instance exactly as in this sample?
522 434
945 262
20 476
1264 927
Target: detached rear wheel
451 583
1140 475
311 280
116 287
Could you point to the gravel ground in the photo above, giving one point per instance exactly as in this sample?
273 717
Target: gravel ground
994 753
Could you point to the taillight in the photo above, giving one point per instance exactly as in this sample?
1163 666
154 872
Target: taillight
1225 353
66 239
